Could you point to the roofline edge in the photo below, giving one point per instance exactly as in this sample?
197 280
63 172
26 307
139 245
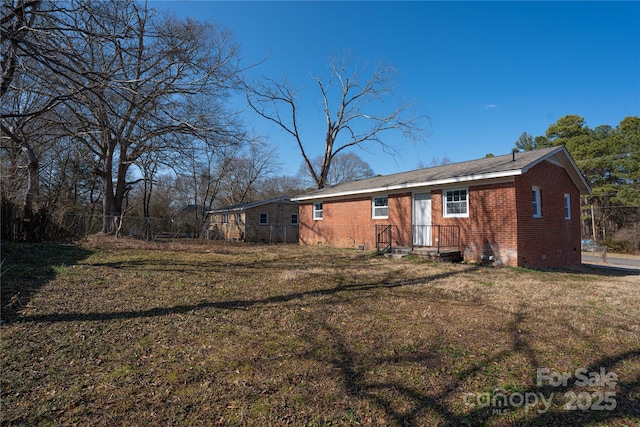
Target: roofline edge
453 180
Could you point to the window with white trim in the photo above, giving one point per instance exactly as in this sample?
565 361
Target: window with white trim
456 203
567 206
264 219
317 210
225 218
294 219
380 207
537 202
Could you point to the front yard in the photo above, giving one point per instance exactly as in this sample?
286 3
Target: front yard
125 333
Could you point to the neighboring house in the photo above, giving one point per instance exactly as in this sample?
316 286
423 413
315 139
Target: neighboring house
186 221
521 209
266 221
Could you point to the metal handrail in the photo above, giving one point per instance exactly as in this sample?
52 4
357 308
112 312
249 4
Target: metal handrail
381 232
445 236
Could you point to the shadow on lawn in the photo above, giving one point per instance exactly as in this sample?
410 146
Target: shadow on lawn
609 270
236 304
27 267
385 394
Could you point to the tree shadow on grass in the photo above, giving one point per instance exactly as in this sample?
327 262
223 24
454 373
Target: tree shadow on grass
609 270
28 267
418 401
347 361
387 283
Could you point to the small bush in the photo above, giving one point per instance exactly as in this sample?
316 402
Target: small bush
626 240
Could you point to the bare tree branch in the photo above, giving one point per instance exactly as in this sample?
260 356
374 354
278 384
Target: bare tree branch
355 110
120 80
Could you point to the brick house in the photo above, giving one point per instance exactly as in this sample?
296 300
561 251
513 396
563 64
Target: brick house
265 221
520 209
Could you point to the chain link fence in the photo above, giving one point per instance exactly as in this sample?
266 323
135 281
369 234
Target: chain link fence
145 228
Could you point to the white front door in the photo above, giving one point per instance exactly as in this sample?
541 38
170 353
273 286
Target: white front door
422 219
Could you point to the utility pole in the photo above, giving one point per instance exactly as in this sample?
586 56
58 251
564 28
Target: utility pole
593 223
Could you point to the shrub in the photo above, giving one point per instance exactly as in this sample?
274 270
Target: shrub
626 240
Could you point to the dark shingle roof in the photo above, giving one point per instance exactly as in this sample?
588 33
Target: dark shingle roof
493 167
245 206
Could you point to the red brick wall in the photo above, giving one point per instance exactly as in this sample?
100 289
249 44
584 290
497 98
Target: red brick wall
490 229
349 223
500 222
246 226
279 229
549 241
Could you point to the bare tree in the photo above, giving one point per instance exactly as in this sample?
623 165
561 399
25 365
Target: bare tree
281 185
435 161
23 99
201 173
32 32
346 166
25 142
152 83
218 166
36 77
120 79
355 110
148 164
241 184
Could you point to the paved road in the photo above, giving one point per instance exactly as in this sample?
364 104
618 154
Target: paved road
612 260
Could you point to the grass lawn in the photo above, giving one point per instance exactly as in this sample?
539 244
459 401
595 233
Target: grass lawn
123 333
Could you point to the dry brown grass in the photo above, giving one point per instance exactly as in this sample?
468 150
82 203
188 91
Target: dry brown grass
125 333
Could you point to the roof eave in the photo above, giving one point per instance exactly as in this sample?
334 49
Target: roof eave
249 205
569 165
560 154
409 186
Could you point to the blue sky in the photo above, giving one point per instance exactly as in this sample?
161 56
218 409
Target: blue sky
483 72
